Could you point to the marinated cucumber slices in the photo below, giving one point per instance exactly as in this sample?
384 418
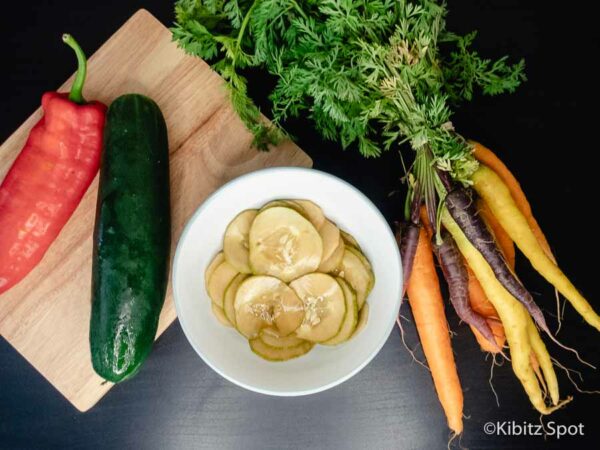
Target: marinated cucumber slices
263 301
356 270
349 240
235 242
330 264
271 337
229 298
218 282
216 261
284 244
350 318
220 315
270 353
324 306
289 278
363 316
330 235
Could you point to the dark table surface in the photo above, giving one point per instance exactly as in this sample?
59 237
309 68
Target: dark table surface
544 132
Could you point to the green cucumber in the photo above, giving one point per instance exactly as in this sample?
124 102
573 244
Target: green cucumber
131 238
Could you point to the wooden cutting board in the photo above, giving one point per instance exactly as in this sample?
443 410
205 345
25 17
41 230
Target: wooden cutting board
45 317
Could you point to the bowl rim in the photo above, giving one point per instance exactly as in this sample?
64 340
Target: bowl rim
206 204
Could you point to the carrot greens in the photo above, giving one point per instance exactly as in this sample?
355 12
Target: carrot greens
368 73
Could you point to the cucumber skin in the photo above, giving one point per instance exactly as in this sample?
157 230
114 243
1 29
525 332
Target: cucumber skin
131 237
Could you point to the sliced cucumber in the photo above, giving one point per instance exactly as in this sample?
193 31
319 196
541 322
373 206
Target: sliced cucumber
362 257
324 306
364 260
271 337
292 204
220 315
263 301
351 317
229 298
332 263
218 282
216 261
363 317
349 239
235 242
313 212
284 244
330 235
270 353
353 270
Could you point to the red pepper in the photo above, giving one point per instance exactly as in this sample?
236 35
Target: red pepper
49 177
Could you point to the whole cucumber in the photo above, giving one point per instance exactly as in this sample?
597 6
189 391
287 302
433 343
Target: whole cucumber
131 237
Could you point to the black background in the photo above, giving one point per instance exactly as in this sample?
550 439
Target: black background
546 133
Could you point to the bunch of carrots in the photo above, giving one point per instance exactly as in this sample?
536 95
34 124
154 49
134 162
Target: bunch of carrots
475 246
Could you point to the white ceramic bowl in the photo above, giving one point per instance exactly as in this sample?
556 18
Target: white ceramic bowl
226 351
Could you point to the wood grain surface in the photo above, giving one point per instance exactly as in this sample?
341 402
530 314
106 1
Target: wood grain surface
45 317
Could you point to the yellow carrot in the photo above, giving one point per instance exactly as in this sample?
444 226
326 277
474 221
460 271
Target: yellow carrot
513 315
504 241
495 193
544 361
538 373
485 156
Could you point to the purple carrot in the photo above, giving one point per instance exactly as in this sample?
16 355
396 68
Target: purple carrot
407 236
456 276
461 206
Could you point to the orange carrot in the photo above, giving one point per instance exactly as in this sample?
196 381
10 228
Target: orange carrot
427 307
499 336
425 221
502 238
478 299
485 156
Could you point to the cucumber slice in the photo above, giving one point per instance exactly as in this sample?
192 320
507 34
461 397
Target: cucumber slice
332 263
278 353
363 317
353 270
367 264
324 306
272 338
263 301
362 257
216 261
284 244
350 240
220 315
235 242
218 282
229 297
330 235
313 212
351 317
292 204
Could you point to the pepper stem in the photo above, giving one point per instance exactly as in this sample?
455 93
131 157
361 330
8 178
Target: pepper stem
76 94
